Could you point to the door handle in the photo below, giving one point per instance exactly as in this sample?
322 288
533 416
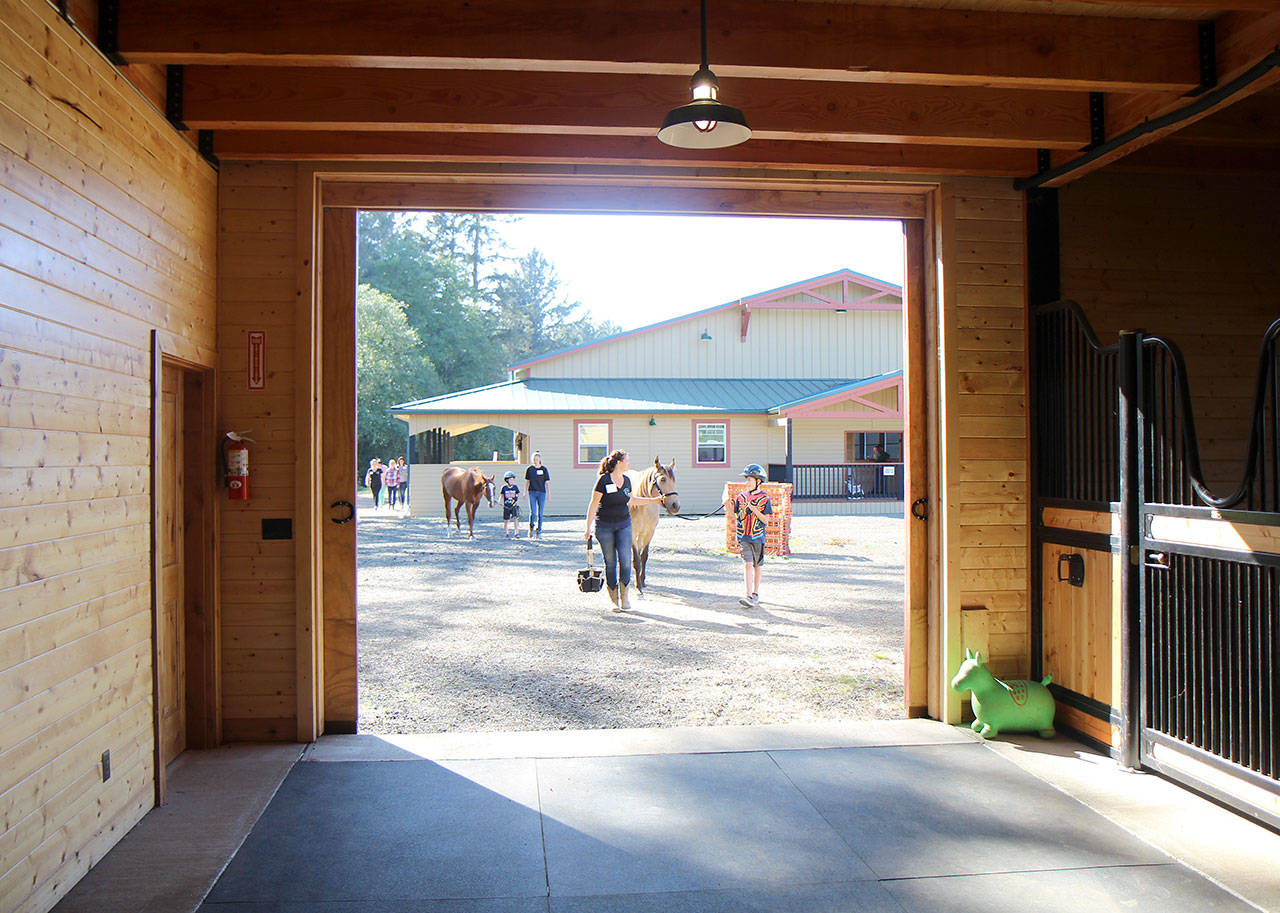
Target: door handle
920 508
351 511
1157 561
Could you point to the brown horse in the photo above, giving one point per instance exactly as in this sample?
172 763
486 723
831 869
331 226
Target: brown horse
656 481
466 486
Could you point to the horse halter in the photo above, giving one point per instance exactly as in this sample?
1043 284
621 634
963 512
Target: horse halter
665 494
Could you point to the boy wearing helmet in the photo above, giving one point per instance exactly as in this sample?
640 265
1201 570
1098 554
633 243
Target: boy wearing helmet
510 493
750 508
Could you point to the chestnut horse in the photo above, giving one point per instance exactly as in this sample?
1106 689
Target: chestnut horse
656 481
466 486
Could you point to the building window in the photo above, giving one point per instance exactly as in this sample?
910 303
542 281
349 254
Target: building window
593 442
860 446
711 443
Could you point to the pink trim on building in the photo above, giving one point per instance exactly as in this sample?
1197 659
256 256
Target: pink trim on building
608 449
856 396
694 423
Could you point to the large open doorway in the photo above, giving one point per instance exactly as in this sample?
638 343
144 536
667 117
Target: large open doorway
336 203
458 636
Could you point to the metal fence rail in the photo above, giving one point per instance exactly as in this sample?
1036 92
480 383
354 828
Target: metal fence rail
842 481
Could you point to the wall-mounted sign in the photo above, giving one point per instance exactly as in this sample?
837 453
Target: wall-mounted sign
257 360
889 470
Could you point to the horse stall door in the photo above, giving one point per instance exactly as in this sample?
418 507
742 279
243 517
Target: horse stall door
170 601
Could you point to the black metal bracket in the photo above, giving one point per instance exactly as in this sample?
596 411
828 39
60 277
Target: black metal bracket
173 83
1075 568
351 512
920 508
109 31
1044 160
1097 119
204 145
1208 59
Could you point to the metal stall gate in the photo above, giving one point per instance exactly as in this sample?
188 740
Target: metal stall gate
1197 694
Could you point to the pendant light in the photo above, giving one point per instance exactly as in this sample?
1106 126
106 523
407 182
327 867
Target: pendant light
704 123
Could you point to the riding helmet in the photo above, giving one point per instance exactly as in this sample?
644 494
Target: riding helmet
509 475
754 471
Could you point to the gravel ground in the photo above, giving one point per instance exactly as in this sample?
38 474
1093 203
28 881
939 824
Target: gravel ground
493 634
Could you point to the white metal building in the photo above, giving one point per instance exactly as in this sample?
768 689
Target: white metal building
805 379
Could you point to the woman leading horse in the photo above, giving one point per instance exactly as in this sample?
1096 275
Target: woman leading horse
609 516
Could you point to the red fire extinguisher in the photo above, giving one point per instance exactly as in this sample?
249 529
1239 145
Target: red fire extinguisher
235 457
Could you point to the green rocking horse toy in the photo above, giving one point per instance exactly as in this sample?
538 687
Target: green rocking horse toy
1016 706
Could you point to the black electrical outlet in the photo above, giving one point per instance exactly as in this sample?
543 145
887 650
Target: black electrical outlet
277 528
106 765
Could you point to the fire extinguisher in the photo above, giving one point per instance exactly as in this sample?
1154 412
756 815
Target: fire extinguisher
235 460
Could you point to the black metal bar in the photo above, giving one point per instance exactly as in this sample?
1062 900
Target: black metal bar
109 30
1208 58
1097 119
1130 546
173 91
1044 269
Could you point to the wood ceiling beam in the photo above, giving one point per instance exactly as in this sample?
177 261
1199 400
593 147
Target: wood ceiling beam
615 150
749 38
294 98
638 195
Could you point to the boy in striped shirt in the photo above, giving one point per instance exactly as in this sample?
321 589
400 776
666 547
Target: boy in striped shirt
750 508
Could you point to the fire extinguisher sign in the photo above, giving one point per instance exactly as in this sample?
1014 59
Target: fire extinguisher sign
257 360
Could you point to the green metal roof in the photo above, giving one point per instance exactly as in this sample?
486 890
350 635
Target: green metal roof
591 395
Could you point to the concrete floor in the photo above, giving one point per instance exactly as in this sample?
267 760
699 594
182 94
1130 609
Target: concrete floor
875 816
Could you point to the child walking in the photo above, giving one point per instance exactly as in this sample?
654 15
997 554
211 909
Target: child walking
750 508
510 493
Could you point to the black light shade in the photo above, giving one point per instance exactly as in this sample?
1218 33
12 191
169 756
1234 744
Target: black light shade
706 122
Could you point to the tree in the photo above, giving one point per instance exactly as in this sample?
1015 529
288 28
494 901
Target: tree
532 314
391 368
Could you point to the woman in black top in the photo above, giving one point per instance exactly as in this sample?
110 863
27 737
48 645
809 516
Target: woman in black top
373 478
610 511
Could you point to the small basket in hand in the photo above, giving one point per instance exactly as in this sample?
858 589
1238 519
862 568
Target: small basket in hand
590 579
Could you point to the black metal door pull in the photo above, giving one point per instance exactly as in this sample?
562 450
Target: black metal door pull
919 508
351 511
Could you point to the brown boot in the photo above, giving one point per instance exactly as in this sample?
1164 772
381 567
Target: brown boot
613 596
623 602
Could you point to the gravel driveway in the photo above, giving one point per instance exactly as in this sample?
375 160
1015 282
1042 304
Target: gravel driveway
492 634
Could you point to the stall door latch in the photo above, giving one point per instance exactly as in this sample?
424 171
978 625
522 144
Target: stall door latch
1075 568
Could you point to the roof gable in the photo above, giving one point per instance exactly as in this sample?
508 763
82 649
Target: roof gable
853 291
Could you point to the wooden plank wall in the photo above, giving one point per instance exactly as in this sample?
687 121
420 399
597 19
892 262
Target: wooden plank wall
1191 257
984 383
107 230
258 291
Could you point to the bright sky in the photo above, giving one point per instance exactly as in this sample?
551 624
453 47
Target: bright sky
636 270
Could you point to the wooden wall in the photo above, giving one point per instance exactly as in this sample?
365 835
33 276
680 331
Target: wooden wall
1195 258
107 224
258 291
984 416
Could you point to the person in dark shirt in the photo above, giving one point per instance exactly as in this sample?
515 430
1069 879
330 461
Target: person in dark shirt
510 494
536 478
610 514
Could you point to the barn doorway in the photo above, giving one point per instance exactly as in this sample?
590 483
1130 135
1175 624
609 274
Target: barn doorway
399 639
339 195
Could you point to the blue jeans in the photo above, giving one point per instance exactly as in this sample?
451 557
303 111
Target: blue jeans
537 502
615 545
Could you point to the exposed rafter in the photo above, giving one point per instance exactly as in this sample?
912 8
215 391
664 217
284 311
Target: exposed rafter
751 38
276 98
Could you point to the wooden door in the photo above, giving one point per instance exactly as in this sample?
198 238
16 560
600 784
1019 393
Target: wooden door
171 711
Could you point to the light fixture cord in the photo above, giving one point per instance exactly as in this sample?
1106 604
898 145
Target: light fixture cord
704 34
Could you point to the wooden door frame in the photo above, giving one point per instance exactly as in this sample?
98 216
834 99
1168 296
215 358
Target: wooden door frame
326 612
202 487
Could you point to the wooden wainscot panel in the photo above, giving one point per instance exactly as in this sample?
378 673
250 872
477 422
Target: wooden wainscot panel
1077 624
1223 534
1086 724
1088 521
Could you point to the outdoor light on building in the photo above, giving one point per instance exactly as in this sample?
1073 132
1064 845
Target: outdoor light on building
652 423
705 337
706 122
